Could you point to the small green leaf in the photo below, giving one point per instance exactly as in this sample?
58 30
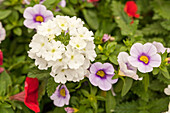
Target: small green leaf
41 90
85 93
91 18
110 102
126 86
51 86
165 72
40 74
17 31
4 14
113 59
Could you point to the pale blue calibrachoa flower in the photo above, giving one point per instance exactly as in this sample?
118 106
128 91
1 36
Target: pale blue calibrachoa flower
61 96
144 57
36 15
101 75
126 69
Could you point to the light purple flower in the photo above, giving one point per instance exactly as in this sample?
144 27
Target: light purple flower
61 96
106 37
62 3
35 15
71 110
144 57
2 33
101 75
126 69
160 48
28 1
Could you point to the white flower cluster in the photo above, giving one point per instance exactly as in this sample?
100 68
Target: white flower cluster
65 45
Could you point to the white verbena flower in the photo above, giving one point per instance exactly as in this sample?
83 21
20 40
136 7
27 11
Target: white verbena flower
63 44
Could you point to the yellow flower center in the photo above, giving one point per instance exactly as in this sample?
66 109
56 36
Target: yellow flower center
63 92
100 73
144 59
75 110
39 19
53 50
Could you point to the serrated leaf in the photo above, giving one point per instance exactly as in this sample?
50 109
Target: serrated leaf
128 107
154 29
51 86
110 102
166 24
39 74
162 8
126 86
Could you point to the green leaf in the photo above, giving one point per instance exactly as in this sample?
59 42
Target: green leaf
162 8
166 24
68 11
165 72
126 86
91 18
127 107
18 31
51 86
6 82
110 102
41 90
4 14
85 93
40 74
113 59
154 29
155 71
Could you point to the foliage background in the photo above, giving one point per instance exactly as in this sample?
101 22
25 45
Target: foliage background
106 16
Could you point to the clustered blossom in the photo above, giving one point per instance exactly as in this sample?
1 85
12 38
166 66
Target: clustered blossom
144 57
34 16
101 75
61 96
65 45
2 33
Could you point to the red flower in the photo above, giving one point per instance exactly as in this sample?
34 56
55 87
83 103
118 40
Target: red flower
30 95
131 9
1 58
92 0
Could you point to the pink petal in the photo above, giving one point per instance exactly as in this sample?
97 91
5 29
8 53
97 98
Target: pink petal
136 49
29 13
145 68
155 60
149 49
134 61
105 85
31 24
108 68
94 79
95 67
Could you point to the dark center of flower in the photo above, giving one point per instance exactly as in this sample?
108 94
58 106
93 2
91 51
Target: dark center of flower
144 59
39 19
63 92
100 73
